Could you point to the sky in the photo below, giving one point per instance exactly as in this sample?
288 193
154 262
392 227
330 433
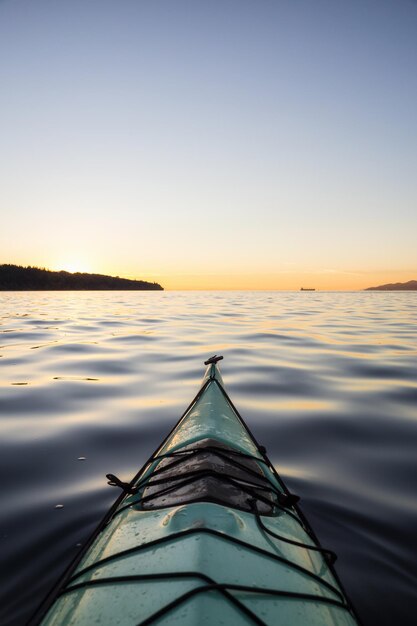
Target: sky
230 144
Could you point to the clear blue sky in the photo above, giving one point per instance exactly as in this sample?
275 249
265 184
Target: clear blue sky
211 143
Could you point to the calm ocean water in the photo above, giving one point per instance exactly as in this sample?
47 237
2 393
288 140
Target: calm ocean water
326 381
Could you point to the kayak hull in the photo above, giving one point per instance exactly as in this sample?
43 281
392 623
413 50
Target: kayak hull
209 535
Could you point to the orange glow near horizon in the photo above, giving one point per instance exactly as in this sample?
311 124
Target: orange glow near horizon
321 281
281 280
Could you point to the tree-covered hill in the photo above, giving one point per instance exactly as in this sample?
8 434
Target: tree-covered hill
19 278
411 285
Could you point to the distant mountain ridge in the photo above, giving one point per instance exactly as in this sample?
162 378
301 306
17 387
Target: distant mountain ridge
411 285
19 278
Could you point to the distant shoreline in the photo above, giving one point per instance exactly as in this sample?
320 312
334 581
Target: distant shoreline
19 278
411 285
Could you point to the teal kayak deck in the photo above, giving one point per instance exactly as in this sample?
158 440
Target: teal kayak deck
208 535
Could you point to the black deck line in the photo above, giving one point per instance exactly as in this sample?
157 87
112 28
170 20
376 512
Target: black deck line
327 553
215 533
211 586
217 587
167 576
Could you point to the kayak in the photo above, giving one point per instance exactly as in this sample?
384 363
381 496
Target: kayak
206 533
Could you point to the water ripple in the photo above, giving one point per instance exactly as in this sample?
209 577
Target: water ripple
327 381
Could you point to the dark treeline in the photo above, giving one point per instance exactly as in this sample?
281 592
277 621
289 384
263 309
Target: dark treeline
18 278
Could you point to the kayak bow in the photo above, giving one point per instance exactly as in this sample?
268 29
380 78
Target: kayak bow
206 533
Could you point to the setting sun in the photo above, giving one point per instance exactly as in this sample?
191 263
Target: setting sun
73 265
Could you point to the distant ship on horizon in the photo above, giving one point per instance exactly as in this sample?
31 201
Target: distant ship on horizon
307 289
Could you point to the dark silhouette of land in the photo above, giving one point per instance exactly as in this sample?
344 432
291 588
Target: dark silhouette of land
19 278
411 285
